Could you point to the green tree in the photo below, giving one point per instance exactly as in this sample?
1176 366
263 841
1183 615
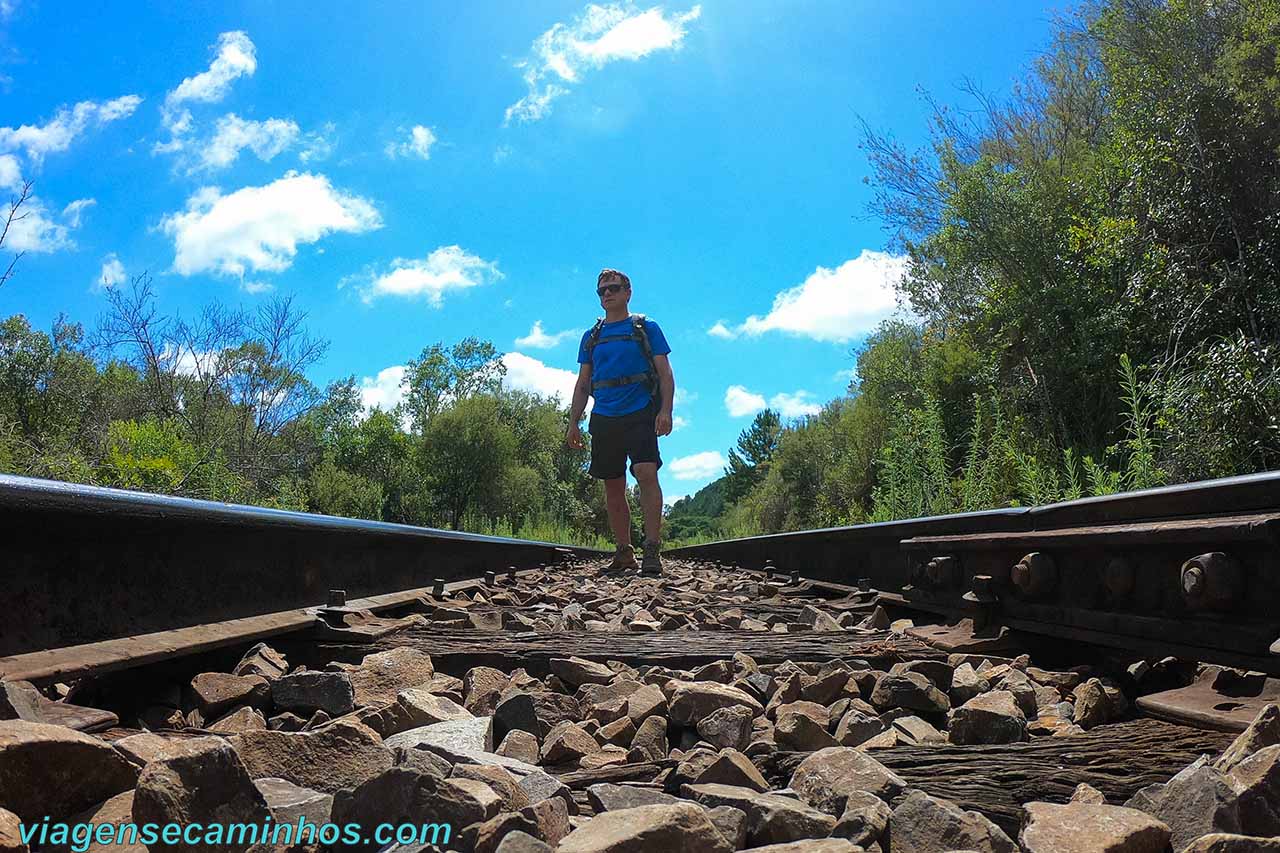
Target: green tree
464 455
749 461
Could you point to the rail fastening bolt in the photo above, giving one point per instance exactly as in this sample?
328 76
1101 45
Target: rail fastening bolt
337 598
1035 574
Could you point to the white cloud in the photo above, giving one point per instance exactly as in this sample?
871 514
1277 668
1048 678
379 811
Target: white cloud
685 396
233 134
832 305
670 500
236 58
739 401
59 132
794 405
720 330
259 228
538 339
846 376
678 422
72 212
526 373
698 466
35 230
10 173
318 144
598 36
384 390
418 144
112 272
447 268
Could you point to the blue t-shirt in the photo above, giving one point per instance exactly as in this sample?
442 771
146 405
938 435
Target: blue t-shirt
614 359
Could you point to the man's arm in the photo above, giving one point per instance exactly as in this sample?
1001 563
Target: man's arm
667 384
581 392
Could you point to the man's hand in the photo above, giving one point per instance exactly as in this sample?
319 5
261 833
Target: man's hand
574 437
662 423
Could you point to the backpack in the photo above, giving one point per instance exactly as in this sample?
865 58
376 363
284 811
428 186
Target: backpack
638 334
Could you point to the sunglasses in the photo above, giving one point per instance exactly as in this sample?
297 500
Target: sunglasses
608 288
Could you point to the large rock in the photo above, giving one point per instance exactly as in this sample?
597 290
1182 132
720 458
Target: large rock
522 842
218 692
1088 828
650 739
909 690
55 772
731 767
771 819
1092 705
857 727
264 661
646 702
966 683
288 801
728 727
452 737
343 754
567 742
550 818
424 709
925 824
576 672
1256 780
515 711
865 820
993 717
607 797
483 687
800 732
691 701
1195 802
243 719
826 779
117 811
307 692
382 675
206 783
1264 731
398 795
731 823
11 829
680 828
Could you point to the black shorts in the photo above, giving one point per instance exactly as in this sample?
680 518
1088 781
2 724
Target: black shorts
613 439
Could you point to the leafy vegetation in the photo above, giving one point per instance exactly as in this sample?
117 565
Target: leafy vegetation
1093 265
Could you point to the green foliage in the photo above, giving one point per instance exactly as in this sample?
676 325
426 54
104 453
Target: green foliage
335 491
749 461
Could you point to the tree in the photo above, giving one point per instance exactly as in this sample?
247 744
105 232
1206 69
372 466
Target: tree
442 375
749 462
463 455
12 217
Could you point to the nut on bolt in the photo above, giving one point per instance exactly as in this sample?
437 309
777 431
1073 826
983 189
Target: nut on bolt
1035 574
337 598
1118 577
941 571
1211 581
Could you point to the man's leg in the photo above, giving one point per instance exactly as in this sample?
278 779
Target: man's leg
646 474
615 502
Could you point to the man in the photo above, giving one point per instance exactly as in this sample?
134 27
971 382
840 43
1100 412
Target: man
634 390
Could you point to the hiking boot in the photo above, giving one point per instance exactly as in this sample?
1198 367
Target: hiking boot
652 563
624 560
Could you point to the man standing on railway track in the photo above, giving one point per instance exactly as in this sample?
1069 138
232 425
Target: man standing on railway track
623 364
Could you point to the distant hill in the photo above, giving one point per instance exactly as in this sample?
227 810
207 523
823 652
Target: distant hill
697 514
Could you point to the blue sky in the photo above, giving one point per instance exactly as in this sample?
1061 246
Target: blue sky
414 173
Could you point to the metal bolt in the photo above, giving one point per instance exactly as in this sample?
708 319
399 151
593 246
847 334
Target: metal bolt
1035 574
337 598
437 588
795 577
940 571
490 578
1118 578
511 573
1211 581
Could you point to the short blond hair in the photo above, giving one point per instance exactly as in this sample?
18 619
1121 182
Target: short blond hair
610 273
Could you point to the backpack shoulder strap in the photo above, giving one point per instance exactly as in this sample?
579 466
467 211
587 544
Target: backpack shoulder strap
594 337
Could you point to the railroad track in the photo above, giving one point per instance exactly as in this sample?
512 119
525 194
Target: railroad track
881 685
